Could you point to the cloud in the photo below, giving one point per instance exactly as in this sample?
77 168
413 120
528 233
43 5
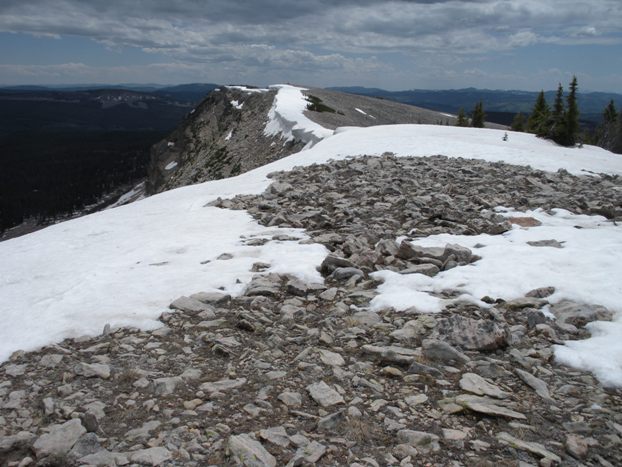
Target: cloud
316 37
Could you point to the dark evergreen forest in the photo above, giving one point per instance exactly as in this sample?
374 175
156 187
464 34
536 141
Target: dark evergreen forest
62 151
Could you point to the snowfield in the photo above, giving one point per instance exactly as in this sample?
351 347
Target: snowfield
125 265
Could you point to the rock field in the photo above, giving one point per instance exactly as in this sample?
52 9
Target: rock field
294 373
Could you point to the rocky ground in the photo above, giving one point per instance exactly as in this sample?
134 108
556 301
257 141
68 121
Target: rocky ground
293 373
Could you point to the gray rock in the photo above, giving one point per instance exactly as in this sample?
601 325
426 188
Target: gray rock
332 262
223 385
151 456
425 269
15 370
87 444
50 360
324 395
534 448
535 383
424 442
144 431
577 446
443 352
59 439
343 274
475 384
487 407
105 458
309 454
189 305
276 435
331 358
211 298
472 334
579 314
246 451
21 440
421 369
290 399
166 386
92 370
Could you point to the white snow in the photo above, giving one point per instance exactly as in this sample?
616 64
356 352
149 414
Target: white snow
134 194
586 269
125 265
247 89
229 135
170 165
364 113
236 104
286 118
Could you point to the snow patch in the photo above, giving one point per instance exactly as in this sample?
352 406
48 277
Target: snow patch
170 165
364 113
229 135
247 89
237 104
286 117
586 269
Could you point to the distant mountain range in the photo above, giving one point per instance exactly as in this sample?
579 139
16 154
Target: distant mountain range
497 103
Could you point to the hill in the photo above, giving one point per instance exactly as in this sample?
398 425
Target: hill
500 105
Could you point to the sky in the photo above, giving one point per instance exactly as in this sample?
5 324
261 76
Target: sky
409 44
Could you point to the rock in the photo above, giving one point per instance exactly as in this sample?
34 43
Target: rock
534 448
535 383
297 288
408 251
331 358
105 458
15 370
92 370
414 401
343 274
144 431
487 407
189 305
151 456
332 262
290 399
472 334
330 422
166 386
248 452
542 292
550 243
366 318
223 385
264 286
211 298
425 269
50 360
577 446
443 352
21 440
276 435
87 444
324 395
421 369
391 353
579 314
59 439
415 328
475 384
329 294
309 454
424 442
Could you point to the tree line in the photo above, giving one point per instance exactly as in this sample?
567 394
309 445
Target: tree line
559 123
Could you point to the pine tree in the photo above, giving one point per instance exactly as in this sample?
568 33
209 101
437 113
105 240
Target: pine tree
571 134
539 117
462 120
557 123
610 115
518 124
478 116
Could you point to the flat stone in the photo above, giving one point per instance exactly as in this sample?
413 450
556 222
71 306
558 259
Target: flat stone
166 386
50 360
290 399
324 395
189 305
92 370
15 370
151 456
22 439
534 448
424 442
309 454
579 314
249 452
105 458
475 384
211 298
143 431
434 349
577 446
59 439
472 334
366 318
425 269
275 435
331 358
223 385
535 383
487 407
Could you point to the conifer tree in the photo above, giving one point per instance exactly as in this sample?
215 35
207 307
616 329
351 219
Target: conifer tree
462 120
539 117
519 122
572 116
557 123
478 116
610 114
